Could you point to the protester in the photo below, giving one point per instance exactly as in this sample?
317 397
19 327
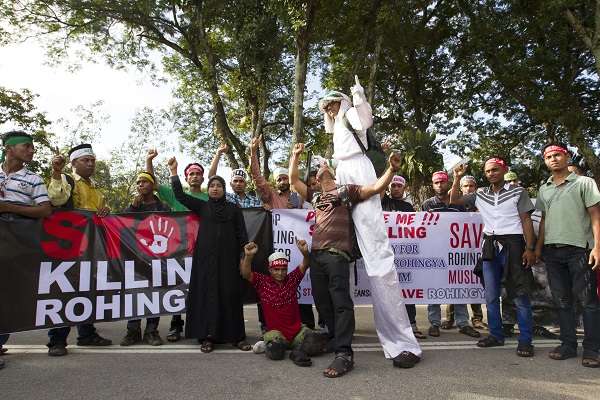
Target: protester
238 182
395 202
145 201
78 191
440 202
505 210
569 228
277 293
271 198
22 193
283 197
331 253
194 176
214 301
512 178
468 184
354 167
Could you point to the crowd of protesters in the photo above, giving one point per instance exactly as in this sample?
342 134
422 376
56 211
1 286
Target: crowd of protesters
545 268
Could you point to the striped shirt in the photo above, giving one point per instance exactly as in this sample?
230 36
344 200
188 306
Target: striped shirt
22 187
501 210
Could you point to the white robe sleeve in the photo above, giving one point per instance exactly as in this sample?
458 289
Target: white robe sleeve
360 115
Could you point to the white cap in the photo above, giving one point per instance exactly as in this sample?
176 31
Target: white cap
280 171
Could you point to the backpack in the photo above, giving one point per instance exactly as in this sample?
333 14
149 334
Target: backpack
345 199
70 205
373 151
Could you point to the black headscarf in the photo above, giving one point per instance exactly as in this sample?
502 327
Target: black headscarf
218 206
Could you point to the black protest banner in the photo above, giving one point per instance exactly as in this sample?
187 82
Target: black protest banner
75 267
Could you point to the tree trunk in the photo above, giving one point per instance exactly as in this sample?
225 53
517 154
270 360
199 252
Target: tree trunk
373 71
301 67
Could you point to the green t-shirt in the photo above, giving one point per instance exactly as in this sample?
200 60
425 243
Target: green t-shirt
166 195
567 220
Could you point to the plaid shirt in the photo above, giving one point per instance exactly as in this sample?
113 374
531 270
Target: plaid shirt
247 202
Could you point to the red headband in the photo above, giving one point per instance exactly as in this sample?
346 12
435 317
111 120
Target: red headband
553 148
497 161
440 175
193 168
280 263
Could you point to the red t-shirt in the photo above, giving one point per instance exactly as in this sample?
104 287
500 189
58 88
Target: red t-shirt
280 302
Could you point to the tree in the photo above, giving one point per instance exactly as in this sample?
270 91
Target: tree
534 79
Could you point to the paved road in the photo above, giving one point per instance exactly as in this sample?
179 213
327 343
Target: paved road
452 368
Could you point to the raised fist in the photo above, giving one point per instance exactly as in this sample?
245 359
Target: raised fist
152 153
302 246
172 163
223 148
58 163
250 249
298 149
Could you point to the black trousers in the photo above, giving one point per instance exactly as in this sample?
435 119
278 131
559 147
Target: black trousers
330 279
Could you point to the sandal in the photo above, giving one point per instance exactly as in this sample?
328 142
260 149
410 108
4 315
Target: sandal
447 324
525 350
242 345
562 352
419 335
207 346
341 365
174 335
490 341
590 362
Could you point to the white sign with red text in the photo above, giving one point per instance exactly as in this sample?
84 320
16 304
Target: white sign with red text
435 254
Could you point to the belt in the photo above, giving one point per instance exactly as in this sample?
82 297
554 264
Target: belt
557 245
335 251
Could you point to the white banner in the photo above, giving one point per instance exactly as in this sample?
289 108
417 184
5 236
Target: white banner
435 255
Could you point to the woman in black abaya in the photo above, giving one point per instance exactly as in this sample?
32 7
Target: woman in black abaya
214 302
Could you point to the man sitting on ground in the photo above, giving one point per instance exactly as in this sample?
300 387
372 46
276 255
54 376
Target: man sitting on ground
277 293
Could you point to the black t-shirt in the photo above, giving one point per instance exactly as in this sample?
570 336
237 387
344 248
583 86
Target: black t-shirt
156 206
390 204
434 204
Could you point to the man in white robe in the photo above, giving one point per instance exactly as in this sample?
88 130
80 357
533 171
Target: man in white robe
354 167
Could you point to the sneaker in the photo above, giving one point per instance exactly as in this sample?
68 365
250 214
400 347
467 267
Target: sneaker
133 336
57 350
152 338
94 340
406 359
3 350
259 347
434 331
469 331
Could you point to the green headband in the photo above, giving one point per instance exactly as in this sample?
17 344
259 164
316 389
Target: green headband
12 141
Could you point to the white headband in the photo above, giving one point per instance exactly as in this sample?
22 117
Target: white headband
86 151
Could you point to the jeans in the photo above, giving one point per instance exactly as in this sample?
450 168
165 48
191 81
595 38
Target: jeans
492 274
571 279
306 315
59 335
136 324
330 279
475 310
461 314
3 339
